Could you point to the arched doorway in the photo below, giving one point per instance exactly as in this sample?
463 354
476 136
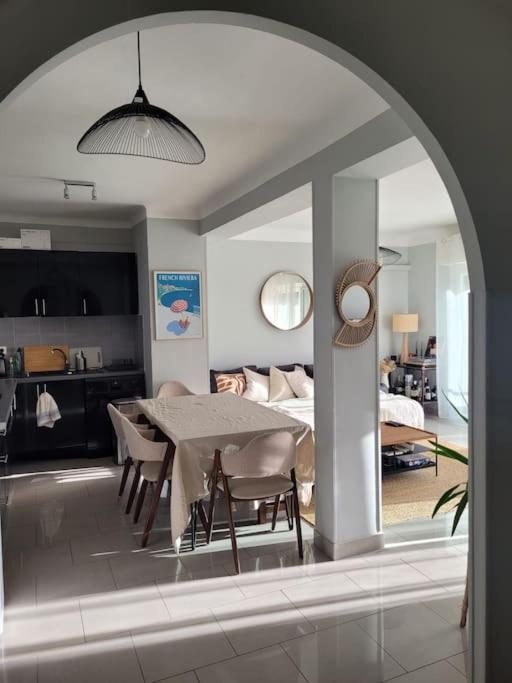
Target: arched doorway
415 123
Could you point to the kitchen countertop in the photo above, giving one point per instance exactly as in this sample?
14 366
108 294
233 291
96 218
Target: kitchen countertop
7 389
89 374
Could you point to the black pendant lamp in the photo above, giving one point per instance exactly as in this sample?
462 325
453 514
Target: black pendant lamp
388 257
143 130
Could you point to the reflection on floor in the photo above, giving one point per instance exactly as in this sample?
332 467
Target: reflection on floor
84 602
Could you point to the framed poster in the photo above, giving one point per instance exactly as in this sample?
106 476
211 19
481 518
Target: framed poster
178 304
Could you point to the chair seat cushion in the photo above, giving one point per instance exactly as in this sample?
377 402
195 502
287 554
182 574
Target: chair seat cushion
151 470
246 488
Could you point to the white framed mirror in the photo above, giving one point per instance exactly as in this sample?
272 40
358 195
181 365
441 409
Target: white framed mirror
286 301
355 304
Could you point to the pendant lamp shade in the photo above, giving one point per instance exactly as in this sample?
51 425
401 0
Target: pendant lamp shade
141 129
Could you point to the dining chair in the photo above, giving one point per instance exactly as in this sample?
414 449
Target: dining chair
154 466
173 388
264 468
116 419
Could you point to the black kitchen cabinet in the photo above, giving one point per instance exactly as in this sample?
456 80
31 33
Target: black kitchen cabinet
108 283
16 438
19 283
59 277
67 283
84 426
98 394
69 431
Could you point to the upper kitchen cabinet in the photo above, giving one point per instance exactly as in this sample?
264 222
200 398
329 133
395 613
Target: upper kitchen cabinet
19 283
59 278
67 283
108 283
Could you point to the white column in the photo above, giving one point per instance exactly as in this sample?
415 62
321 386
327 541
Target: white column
345 216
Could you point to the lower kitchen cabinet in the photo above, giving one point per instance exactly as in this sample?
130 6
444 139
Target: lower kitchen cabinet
84 427
69 431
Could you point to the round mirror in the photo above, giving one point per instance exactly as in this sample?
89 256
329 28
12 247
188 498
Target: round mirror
286 301
355 304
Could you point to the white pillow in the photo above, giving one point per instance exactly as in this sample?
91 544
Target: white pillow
257 386
280 390
302 385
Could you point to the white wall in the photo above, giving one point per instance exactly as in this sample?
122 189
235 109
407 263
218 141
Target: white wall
422 292
238 333
163 244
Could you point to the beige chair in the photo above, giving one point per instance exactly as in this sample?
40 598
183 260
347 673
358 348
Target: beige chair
116 419
154 466
263 469
173 388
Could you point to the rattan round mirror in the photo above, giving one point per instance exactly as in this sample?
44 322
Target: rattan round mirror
356 304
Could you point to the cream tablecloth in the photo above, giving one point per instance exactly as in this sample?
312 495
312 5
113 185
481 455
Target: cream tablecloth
198 425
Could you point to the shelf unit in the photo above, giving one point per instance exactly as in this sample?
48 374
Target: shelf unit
419 372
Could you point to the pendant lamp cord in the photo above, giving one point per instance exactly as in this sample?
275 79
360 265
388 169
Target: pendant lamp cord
138 55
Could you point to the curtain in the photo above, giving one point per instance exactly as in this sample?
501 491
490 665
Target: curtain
452 326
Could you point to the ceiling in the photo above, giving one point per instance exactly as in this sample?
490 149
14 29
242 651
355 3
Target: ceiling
414 207
259 103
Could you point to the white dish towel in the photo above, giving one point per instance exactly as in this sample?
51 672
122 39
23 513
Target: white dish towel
47 411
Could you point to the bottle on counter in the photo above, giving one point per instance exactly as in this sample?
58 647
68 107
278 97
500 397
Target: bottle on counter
427 393
79 362
3 364
84 361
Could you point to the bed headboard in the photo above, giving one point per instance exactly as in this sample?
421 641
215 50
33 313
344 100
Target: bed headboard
263 371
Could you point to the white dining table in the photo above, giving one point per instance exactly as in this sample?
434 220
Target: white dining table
197 426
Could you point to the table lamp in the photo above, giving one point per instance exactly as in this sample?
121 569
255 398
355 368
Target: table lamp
405 323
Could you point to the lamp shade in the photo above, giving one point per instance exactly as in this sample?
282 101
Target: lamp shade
405 322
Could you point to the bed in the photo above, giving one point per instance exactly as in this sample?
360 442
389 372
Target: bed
392 407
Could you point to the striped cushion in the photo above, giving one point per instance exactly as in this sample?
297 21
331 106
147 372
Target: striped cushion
235 383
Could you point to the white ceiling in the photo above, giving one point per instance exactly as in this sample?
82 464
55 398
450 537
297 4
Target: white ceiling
414 207
258 102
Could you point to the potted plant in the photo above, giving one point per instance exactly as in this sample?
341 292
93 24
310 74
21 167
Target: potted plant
457 494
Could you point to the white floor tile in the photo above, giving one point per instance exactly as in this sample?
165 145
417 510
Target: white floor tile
271 665
188 597
448 568
414 635
189 643
345 654
460 662
140 569
18 671
50 531
107 546
99 662
332 600
255 623
449 608
268 573
189 677
74 582
396 584
29 632
435 672
120 612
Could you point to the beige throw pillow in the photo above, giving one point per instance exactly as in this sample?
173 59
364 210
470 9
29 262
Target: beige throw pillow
257 386
280 390
302 385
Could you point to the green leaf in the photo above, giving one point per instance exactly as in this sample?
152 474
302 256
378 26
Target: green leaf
461 415
447 496
449 452
460 509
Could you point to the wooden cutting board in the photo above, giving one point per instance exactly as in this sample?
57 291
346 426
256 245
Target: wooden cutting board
41 359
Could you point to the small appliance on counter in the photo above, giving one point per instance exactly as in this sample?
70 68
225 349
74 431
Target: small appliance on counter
86 358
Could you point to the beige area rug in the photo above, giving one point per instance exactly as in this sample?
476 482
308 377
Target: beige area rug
412 495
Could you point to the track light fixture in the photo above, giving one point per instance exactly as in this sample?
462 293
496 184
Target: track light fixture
79 183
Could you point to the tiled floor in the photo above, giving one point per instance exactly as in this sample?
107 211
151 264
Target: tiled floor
84 603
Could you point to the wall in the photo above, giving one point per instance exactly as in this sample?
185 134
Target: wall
393 293
117 335
238 333
168 245
422 292
77 238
